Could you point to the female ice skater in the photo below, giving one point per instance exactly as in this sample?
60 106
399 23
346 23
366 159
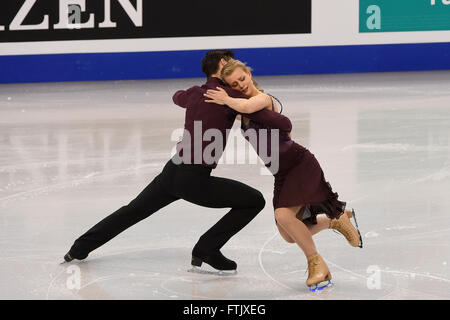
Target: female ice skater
301 192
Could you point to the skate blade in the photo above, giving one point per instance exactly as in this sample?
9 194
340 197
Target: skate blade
225 273
357 228
320 286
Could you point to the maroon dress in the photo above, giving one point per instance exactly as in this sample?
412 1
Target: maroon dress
299 179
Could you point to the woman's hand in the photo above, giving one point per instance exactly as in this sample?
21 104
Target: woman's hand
218 96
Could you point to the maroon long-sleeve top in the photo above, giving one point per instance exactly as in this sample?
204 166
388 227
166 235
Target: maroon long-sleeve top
204 116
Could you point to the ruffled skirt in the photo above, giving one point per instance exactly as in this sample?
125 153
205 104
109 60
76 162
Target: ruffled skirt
301 182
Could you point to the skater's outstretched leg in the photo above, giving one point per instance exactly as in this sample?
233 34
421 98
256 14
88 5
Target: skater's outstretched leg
150 200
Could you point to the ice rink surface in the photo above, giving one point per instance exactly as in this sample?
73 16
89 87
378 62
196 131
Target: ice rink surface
72 153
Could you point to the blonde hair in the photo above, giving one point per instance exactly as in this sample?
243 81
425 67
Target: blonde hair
232 65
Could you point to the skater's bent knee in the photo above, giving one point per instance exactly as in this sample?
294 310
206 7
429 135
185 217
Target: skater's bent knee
282 216
256 200
261 202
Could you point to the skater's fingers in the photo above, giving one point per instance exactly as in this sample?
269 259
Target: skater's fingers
212 96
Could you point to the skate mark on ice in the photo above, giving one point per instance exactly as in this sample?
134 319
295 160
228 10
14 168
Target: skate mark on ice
363 277
409 236
346 270
51 284
262 267
384 283
398 228
371 234
413 275
441 175
163 285
394 147
307 294
162 279
76 182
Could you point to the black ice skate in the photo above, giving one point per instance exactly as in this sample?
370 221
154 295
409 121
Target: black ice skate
219 263
69 257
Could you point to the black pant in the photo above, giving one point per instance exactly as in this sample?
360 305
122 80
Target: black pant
192 183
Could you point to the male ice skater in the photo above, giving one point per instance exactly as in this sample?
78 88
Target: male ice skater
187 176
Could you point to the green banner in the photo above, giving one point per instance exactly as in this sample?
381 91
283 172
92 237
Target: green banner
403 15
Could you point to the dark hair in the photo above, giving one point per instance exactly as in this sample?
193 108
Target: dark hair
210 62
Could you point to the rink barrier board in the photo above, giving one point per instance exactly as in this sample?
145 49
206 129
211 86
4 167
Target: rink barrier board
186 64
